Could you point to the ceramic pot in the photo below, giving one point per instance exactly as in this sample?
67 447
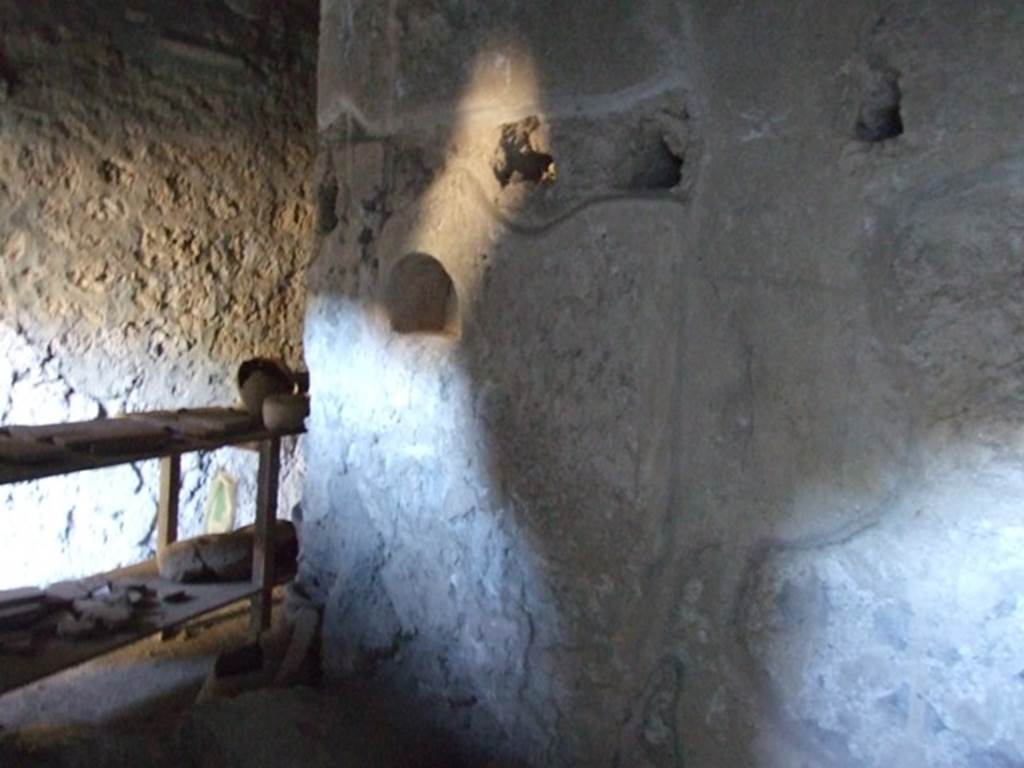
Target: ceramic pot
260 378
285 413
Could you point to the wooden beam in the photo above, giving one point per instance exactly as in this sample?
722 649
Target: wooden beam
263 543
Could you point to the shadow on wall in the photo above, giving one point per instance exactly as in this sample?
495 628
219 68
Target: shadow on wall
598 502
491 350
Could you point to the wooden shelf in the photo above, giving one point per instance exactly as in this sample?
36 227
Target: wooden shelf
34 453
37 452
52 654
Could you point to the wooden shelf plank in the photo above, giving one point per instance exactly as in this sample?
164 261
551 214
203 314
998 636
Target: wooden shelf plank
61 449
52 654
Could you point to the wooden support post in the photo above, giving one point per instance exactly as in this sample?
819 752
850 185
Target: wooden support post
263 544
167 514
170 486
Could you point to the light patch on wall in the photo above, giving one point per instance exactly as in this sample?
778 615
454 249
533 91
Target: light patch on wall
221 503
406 411
452 225
899 641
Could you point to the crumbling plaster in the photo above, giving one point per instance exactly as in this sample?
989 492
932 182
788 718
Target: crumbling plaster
721 473
155 223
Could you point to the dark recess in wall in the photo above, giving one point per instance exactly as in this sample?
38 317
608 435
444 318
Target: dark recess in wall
879 118
326 200
656 167
519 157
420 296
9 81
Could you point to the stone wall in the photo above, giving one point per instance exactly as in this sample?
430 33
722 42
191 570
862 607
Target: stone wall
709 452
155 225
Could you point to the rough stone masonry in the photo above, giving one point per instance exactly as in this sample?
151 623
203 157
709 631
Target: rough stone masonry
155 216
707 447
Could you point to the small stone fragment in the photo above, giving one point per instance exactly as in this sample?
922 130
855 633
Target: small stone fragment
108 609
75 627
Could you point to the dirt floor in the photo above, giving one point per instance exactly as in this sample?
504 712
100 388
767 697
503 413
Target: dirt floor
137 707
148 678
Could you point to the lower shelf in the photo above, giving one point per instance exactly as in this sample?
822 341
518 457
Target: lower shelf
52 654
